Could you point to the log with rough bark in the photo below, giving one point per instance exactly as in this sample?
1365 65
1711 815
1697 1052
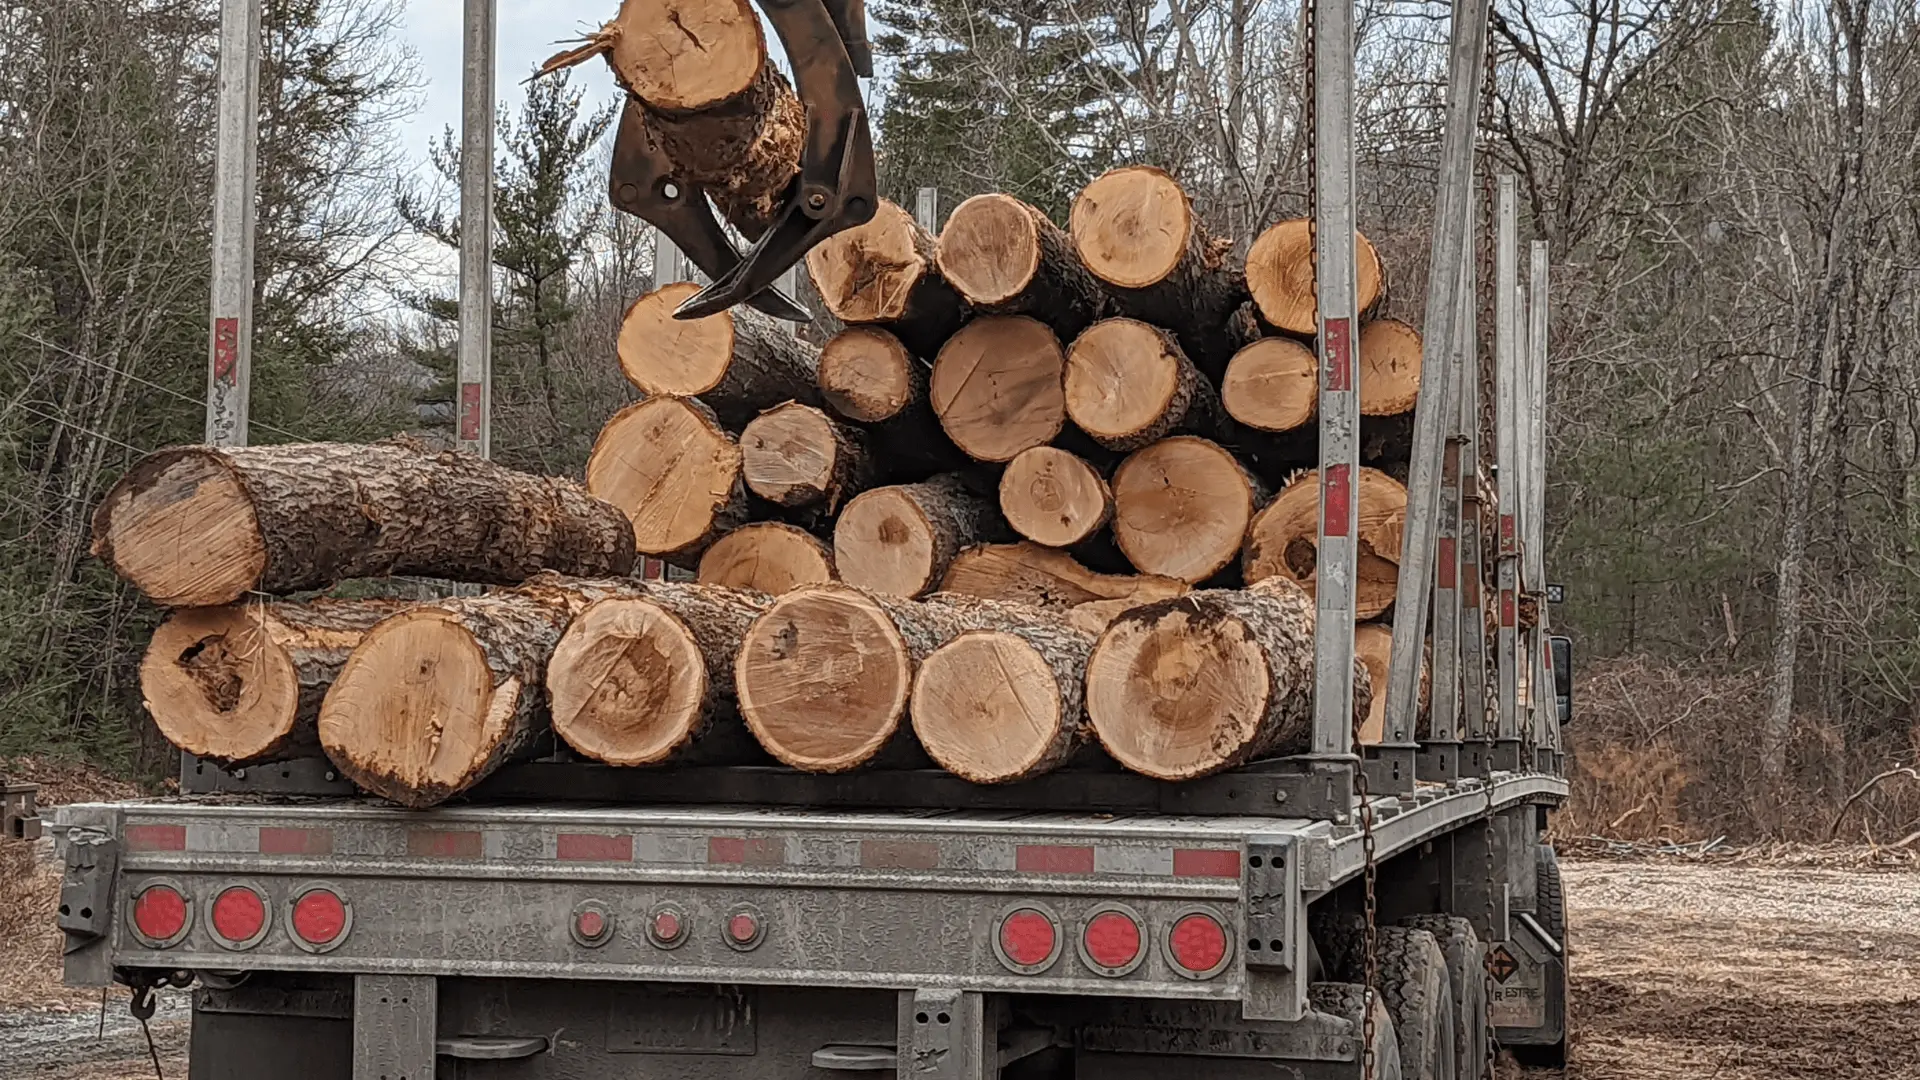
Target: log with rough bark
1280 277
1181 507
883 273
868 376
738 362
1136 231
1008 703
439 696
241 684
1389 379
1373 645
1129 384
795 455
1283 540
1003 255
900 539
1272 385
646 675
1053 497
998 387
1028 573
1188 687
724 116
772 557
668 463
200 526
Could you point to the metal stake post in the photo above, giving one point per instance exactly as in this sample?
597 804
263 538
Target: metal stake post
926 209
476 228
1546 729
1439 758
1508 483
230 350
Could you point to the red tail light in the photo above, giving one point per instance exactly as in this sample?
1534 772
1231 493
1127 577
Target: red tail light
1027 940
1197 945
320 919
239 917
1110 944
160 915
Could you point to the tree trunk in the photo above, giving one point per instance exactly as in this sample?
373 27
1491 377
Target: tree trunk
1136 231
771 557
868 376
1002 255
669 465
997 387
1181 508
899 540
438 697
1272 385
241 684
1389 368
1280 276
200 526
795 455
1129 384
1053 497
883 274
997 705
1192 686
739 362
1283 540
1027 573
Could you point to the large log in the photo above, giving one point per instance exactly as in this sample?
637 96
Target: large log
1283 540
1181 507
1389 380
1272 385
1280 277
997 387
900 539
668 463
1003 255
771 557
739 362
1188 687
241 684
1129 384
1136 231
795 455
868 376
1028 573
883 273
1008 703
1053 497
200 526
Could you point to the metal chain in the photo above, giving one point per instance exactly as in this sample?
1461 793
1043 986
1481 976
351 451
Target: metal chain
1371 905
1483 371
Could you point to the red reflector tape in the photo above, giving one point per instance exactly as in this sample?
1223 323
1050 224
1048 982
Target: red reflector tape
1449 563
226 348
436 844
1506 607
1336 499
470 411
588 847
156 838
1205 862
747 851
296 841
1051 859
899 855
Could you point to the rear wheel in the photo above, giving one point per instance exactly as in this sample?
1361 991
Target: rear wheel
1349 1001
1419 995
1467 978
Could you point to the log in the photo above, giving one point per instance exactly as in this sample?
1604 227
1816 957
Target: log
997 387
883 274
1135 230
1181 508
1283 540
900 539
1053 497
771 557
241 684
646 676
1389 368
993 706
868 376
1027 573
1280 277
1195 685
1003 256
795 455
738 362
1129 384
201 526
439 696
677 474
1272 385
1373 645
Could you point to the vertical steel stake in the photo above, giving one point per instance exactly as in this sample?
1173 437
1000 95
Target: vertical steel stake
230 347
475 361
1509 334
926 209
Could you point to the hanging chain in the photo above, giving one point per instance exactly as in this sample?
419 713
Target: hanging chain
1371 905
1484 373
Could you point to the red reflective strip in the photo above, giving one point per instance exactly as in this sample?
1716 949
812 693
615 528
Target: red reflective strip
1048 859
588 847
226 348
1470 585
1507 541
470 411
1449 563
899 855
747 851
1506 607
1205 862
1450 465
156 838
1339 342
435 844
1336 495
296 841
653 569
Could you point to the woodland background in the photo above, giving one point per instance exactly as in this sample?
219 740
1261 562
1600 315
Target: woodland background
1731 189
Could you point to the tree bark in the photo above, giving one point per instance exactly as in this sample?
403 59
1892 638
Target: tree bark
1389 368
770 557
738 362
1283 540
667 462
1280 276
883 274
241 684
899 540
795 455
200 526
1003 256
1272 385
998 705
1129 384
997 387
1181 508
1027 573
1053 497
868 376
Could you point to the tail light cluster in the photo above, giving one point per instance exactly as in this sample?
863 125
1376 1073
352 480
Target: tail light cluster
238 917
1112 940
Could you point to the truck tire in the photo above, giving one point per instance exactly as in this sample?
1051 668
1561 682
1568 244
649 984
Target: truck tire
1347 1000
1550 908
1467 977
1341 939
1419 995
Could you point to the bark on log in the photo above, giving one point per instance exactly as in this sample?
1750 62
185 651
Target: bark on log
795 455
899 540
241 684
1053 497
1192 686
997 705
868 376
1389 380
1135 230
771 557
200 526
998 387
667 462
1181 508
1027 573
1272 385
1003 255
1283 540
884 274
1280 276
1129 384
1373 645
739 362
439 696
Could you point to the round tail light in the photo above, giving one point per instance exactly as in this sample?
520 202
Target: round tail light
320 919
1027 940
238 917
1111 942
744 928
1197 945
667 926
160 915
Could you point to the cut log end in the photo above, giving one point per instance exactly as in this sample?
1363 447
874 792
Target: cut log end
627 683
217 685
667 463
866 374
1123 377
1280 275
1173 694
183 530
684 55
795 455
823 679
1282 540
664 355
768 556
1272 385
1181 508
987 707
1389 368
1132 226
1054 497
990 248
868 273
899 540
997 387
